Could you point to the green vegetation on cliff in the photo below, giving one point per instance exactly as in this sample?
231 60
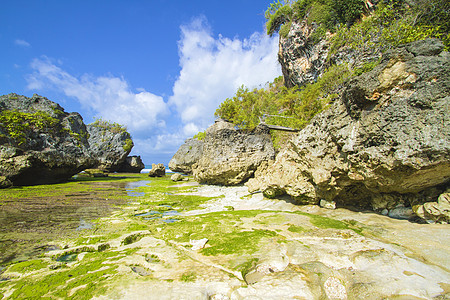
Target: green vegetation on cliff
354 24
279 105
325 13
357 22
110 126
16 126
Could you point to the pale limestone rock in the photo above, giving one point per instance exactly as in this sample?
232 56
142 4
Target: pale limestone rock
158 170
327 204
176 177
231 156
381 144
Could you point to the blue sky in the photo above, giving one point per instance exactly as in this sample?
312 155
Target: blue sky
159 67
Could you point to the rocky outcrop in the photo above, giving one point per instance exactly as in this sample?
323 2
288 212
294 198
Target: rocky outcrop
158 170
231 156
110 144
132 164
186 156
385 141
303 60
40 142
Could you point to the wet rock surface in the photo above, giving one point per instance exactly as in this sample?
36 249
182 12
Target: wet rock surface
44 213
384 143
262 249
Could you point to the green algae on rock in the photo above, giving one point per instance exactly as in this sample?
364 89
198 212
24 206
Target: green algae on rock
275 250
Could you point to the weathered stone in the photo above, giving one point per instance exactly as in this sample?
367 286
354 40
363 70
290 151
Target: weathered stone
110 147
177 177
231 156
186 156
401 212
303 60
158 170
51 148
382 143
327 204
435 211
132 164
95 173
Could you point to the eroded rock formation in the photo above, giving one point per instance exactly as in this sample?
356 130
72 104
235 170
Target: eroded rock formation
186 156
132 164
40 142
385 142
110 145
231 156
158 170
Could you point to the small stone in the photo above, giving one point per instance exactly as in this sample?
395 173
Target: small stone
401 212
177 177
141 271
95 173
327 204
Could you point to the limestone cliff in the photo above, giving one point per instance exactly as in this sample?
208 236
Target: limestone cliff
384 142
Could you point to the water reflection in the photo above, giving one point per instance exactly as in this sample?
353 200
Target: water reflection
131 186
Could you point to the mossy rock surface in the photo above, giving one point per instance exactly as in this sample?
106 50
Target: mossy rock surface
145 248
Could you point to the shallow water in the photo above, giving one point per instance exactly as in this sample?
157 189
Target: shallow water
154 215
28 225
131 186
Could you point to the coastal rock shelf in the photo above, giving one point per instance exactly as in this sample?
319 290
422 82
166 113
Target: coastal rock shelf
251 247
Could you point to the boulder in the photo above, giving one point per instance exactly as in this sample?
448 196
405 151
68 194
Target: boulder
110 144
435 211
158 170
177 177
40 143
132 164
186 156
231 156
384 142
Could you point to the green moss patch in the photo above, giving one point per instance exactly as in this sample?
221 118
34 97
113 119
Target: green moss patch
79 282
28 266
296 229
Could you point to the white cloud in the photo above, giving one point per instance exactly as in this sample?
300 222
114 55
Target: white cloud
108 97
22 43
213 68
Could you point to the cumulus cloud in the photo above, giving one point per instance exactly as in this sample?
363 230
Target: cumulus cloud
22 43
212 68
107 96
